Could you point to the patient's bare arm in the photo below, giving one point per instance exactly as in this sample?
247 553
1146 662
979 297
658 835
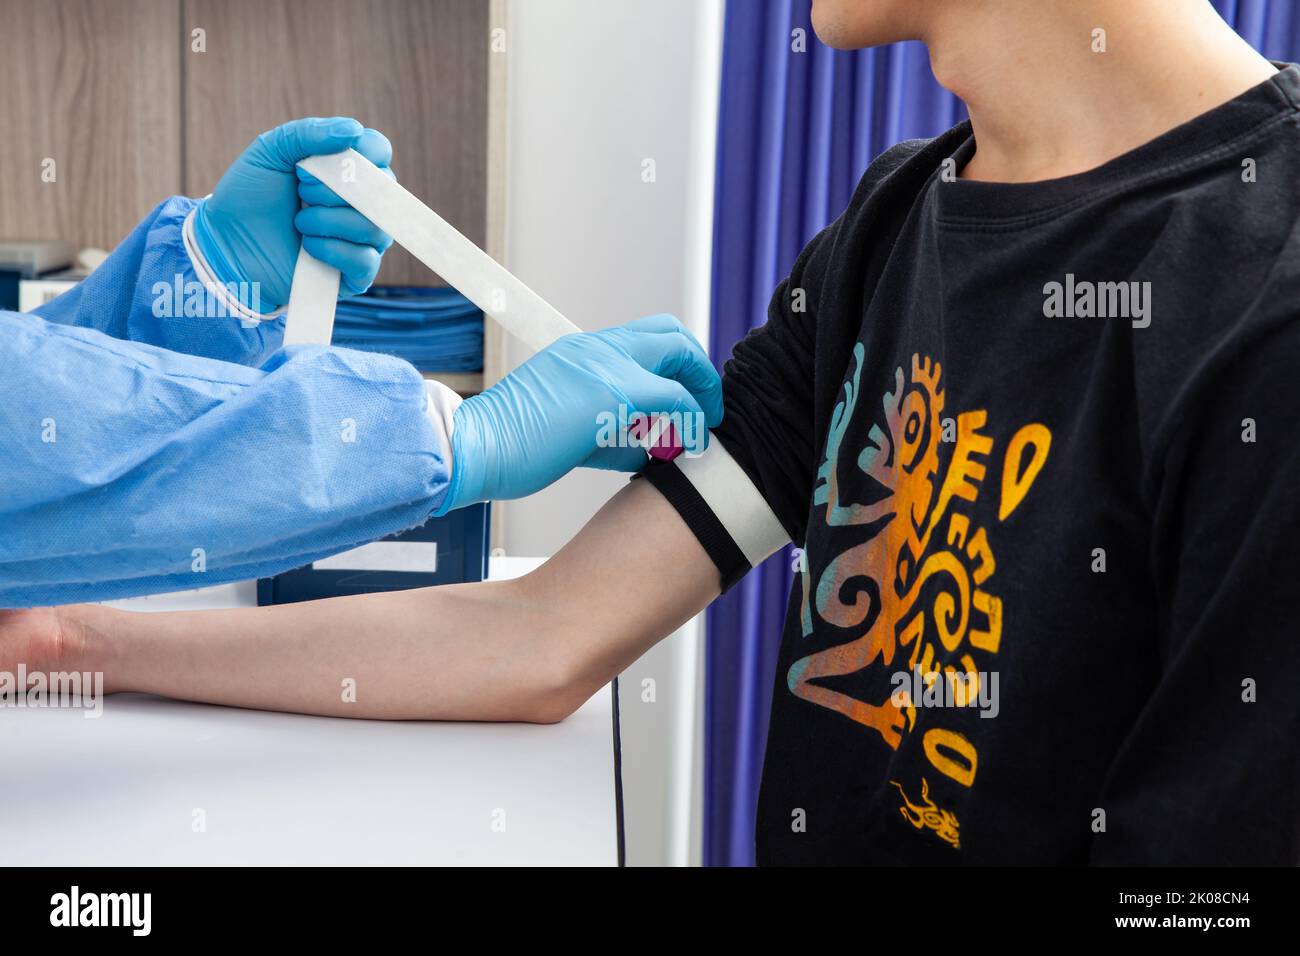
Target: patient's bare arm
532 649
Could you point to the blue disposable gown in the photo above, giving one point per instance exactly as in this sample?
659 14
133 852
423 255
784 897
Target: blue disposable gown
143 454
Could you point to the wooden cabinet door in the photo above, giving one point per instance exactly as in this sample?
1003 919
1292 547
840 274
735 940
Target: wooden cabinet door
90 110
417 70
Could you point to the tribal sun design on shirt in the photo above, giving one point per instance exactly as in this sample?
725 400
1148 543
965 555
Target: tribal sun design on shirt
919 590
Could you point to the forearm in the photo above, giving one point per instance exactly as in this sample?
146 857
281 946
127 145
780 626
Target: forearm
633 575
532 649
461 652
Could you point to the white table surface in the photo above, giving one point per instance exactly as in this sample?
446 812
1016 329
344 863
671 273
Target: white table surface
126 789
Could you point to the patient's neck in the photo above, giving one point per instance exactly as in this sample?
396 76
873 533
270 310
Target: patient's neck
1049 95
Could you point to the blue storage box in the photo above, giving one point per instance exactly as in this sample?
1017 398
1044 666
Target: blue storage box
455 546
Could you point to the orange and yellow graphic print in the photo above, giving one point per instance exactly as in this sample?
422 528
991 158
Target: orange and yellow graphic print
919 591
926 816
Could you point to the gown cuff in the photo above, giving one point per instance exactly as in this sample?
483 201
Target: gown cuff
207 277
440 408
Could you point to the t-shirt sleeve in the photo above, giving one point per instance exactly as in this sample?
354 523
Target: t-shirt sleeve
1210 772
766 435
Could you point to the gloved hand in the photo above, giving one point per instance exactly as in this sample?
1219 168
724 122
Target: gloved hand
250 228
560 409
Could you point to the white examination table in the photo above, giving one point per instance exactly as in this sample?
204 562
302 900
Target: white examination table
128 788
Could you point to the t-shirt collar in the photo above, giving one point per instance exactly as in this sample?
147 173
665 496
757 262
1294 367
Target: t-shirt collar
965 200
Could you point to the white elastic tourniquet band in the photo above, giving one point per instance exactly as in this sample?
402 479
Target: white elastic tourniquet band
735 502
722 483
431 239
312 297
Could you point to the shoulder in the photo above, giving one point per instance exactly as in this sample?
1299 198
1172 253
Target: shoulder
886 190
912 160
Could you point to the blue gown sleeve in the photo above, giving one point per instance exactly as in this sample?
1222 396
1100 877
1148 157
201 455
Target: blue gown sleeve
144 290
132 469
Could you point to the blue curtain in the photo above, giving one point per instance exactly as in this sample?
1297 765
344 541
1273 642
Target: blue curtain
798 125
1271 26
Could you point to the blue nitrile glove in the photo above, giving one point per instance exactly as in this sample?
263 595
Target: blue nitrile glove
567 406
250 228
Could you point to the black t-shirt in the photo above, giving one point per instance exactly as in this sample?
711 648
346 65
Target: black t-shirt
1042 437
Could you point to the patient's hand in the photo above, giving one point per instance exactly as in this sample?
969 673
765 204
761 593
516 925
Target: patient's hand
44 639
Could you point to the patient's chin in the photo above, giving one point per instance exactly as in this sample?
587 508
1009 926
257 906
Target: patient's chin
855 24
829 26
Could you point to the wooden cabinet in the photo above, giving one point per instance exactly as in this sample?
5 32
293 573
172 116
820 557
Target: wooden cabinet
90 116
